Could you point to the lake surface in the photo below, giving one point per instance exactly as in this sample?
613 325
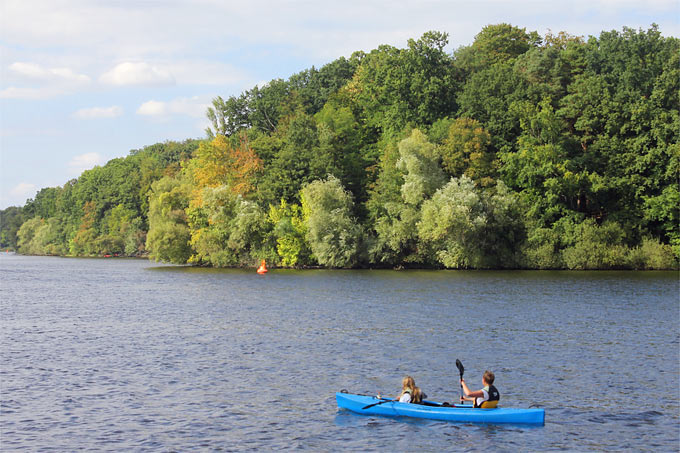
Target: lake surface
130 355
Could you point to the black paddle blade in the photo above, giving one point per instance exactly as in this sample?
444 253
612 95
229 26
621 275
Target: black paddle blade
460 367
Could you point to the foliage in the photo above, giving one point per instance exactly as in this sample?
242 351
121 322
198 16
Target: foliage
595 247
515 151
217 163
224 227
289 230
413 175
465 150
651 254
11 220
501 43
398 87
333 235
298 162
169 235
41 237
471 227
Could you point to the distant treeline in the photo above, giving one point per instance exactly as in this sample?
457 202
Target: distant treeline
517 151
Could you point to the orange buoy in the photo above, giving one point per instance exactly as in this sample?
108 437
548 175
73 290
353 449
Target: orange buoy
263 268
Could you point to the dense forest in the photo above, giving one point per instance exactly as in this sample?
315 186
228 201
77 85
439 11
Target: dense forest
517 151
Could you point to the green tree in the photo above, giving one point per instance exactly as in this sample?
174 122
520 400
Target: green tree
84 240
468 227
315 87
415 176
289 231
547 168
340 143
297 163
41 237
228 117
11 220
623 111
169 235
44 205
26 234
499 43
596 247
487 96
331 231
226 230
466 150
415 86
418 160
123 232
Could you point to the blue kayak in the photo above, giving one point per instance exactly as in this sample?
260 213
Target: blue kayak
435 411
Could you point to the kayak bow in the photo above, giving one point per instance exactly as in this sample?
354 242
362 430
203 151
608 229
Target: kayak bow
435 411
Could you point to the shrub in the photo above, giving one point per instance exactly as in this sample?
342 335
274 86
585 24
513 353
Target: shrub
596 247
651 254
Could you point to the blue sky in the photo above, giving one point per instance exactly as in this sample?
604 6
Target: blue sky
83 82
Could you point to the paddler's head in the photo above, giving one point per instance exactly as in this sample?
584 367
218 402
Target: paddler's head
408 383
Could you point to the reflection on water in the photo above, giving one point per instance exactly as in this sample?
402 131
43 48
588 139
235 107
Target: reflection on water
131 355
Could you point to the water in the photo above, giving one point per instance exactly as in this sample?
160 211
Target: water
129 355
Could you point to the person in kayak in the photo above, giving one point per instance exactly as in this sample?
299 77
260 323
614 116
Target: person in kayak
409 392
485 398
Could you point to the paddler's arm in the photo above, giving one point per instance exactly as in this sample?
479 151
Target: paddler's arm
470 396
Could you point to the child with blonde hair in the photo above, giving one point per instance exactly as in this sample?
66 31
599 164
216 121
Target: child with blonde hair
409 392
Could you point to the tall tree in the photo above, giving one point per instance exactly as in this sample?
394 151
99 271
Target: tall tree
331 231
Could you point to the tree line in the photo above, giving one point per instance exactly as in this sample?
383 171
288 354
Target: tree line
517 151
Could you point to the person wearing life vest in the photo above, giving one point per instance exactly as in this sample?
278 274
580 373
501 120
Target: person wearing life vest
487 397
409 392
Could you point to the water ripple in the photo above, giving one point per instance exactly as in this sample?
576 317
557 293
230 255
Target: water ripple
119 355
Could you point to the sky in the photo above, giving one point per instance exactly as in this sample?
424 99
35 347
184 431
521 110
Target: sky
83 82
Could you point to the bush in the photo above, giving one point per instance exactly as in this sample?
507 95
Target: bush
596 247
542 250
41 237
651 254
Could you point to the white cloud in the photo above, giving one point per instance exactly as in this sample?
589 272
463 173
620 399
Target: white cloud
83 162
137 74
30 93
648 4
34 71
98 112
194 107
152 108
35 81
23 190
30 70
197 72
122 31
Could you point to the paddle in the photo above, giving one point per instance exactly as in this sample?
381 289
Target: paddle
461 369
379 402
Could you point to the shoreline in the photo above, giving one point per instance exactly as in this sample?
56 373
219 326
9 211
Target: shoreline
358 268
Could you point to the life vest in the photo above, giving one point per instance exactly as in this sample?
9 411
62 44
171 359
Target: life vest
414 399
494 397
